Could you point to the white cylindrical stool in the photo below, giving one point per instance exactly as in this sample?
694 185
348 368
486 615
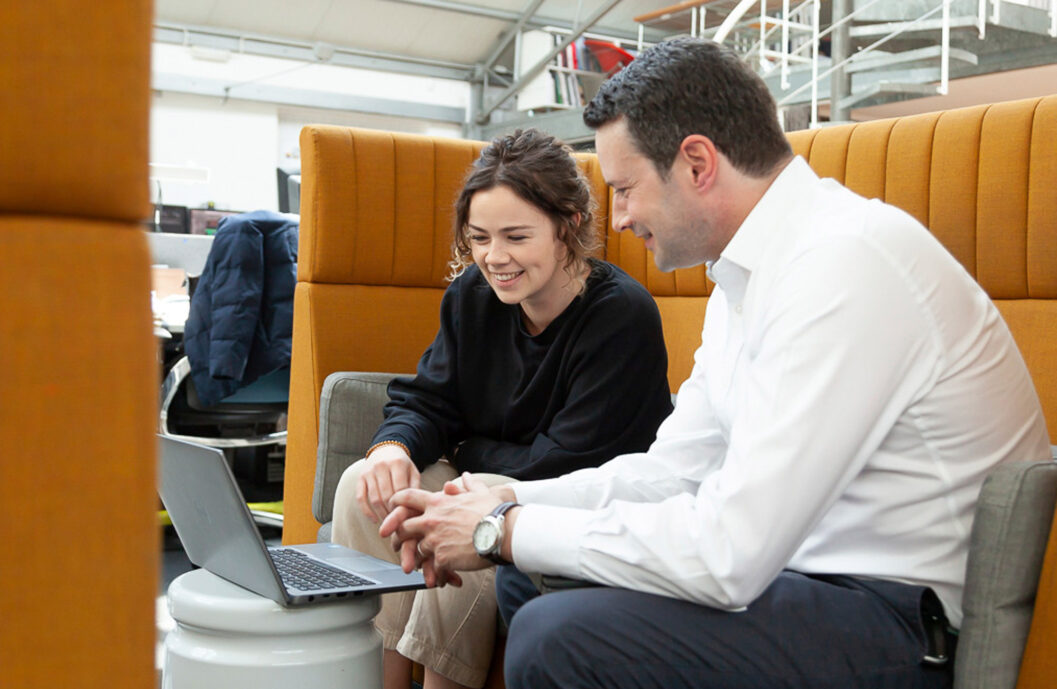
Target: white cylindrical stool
227 637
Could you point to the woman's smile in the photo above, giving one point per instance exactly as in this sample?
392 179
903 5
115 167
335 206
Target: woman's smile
506 279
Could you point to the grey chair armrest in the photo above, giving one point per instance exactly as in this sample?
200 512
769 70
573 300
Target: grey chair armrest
350 411
1006 549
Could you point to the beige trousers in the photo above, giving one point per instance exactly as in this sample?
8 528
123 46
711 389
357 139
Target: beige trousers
450 630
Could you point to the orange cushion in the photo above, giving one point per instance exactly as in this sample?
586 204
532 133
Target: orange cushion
78 405
396 232
344 328
1033 323
75 103
682 319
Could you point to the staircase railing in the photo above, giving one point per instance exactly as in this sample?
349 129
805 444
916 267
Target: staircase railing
796 23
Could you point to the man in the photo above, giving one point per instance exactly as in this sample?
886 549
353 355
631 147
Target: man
802 518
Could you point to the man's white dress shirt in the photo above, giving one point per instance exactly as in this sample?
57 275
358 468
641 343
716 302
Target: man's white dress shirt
853 388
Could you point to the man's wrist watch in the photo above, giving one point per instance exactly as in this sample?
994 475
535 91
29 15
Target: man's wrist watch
488 534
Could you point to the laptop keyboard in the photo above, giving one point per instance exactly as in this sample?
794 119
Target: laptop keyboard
299 571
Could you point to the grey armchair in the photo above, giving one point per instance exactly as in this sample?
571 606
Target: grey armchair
350 411
1006 549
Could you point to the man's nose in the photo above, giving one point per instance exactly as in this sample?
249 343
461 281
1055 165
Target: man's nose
621 221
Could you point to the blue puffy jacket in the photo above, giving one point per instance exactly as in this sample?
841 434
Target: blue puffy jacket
241 321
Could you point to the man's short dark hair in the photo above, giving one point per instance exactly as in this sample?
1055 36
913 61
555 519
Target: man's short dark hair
690 86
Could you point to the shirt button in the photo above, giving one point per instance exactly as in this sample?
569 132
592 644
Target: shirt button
737 309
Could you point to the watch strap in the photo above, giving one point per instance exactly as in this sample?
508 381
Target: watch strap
498 513
502 508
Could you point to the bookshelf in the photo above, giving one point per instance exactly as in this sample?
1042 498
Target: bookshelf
574 74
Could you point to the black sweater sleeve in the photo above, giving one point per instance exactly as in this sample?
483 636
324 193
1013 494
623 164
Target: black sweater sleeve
423 412
616 373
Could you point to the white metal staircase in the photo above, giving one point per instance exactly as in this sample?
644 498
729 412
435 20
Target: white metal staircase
844 53
864 52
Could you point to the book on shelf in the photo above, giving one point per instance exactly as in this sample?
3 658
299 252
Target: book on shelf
574 73
559 86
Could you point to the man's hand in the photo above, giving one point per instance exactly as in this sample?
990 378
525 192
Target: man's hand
389 470
440 525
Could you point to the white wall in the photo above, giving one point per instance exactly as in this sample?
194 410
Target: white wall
242 142
235 141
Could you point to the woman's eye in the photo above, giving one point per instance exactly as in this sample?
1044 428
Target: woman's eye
478 238
517 237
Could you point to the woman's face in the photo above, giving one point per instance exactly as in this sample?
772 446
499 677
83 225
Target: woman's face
516 246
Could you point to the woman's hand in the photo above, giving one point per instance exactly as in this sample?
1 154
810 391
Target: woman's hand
389 470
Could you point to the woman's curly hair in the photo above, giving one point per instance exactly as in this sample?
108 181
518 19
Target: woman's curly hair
541 170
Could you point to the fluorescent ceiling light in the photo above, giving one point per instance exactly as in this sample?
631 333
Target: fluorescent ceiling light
178 173
201 52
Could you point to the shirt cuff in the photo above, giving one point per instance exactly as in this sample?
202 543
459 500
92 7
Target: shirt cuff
547 539
552 491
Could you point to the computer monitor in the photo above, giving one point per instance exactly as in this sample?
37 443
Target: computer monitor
173 219
206 220
289 190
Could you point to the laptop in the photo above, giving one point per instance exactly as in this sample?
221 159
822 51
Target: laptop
217 531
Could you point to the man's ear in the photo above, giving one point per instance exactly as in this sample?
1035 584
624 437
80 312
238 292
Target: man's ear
701 158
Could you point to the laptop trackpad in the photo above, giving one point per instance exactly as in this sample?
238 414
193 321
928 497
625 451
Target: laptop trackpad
360 564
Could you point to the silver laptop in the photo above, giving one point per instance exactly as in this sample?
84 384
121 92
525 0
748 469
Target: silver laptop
217 531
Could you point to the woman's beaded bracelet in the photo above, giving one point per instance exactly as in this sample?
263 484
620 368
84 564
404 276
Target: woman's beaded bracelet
399 444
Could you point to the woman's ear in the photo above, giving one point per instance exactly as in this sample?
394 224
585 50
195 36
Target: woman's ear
563 227
562 232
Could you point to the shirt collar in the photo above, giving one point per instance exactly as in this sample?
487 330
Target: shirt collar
748 243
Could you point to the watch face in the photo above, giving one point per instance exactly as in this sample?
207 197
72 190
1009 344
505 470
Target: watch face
485 536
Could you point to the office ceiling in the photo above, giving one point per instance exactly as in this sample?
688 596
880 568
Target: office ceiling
448 37
463 33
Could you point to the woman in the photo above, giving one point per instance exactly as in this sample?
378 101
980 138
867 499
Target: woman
546 361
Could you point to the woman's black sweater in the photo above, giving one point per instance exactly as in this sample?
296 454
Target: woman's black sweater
496 399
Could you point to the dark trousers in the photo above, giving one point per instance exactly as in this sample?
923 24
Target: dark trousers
816 632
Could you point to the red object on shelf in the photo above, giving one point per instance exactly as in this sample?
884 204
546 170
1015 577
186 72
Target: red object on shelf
611 57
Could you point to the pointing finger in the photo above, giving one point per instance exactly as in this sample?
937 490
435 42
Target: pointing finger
395 520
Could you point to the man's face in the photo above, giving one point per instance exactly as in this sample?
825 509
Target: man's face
660 211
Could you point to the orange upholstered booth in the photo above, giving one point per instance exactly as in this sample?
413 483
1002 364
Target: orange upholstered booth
78 372
375 236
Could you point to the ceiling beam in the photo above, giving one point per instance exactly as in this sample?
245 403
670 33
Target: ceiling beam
511 16
268 46
510 33
309 98
567 125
